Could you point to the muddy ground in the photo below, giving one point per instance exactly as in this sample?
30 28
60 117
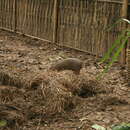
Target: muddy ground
34 98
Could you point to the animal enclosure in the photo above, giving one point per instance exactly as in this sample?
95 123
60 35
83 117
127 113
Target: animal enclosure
79 24
32 94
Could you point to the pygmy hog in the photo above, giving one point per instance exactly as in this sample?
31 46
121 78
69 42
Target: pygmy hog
73 64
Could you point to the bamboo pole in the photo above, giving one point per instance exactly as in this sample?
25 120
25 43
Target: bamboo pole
128 62
124 15
15 15
55 19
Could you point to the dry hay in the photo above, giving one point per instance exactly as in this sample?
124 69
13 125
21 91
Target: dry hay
55 97
12 115
9 105
7 78
9 93
52 92
60 89
18 80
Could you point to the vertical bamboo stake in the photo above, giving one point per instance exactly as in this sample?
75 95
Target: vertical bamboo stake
124 15
55 20
128 61
15 15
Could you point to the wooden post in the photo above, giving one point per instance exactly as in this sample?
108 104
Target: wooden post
55 19
124 15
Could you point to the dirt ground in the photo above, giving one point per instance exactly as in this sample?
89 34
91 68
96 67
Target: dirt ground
34 98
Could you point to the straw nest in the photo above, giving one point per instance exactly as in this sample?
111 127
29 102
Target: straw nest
50 92
59 90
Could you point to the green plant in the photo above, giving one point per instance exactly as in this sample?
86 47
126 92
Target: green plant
123 126
3 123
118 45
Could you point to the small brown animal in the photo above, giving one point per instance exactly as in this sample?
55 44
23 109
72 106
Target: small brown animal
73 64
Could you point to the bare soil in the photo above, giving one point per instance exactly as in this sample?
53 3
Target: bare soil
34 98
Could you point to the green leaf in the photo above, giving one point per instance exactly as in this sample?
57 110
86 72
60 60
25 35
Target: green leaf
118 21
3 123
98 127
121 127
115 44
126 20
117 47
114 58
126 124
128 33
107 55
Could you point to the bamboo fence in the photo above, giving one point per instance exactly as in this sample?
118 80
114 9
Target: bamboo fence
78 24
